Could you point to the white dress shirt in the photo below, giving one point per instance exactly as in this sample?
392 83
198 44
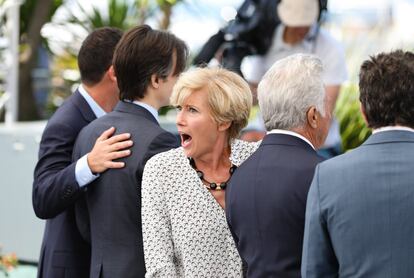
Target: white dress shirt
392 128
292 133
150 109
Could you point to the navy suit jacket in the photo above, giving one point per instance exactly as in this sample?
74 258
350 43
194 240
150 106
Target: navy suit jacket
360 211
64 253
265 205
113 209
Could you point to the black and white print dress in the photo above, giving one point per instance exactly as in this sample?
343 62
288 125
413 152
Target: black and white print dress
184 228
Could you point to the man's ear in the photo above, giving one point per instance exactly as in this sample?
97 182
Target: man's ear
224 126
155 81
312 117
111 74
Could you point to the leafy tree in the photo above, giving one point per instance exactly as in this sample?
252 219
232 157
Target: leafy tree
33 15
124 14
120 14
354 130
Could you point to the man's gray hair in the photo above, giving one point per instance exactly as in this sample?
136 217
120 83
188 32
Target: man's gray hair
288 89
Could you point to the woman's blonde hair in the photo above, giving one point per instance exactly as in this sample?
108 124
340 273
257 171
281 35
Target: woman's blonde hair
229 95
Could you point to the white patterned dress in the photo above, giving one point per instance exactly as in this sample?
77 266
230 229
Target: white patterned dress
184 228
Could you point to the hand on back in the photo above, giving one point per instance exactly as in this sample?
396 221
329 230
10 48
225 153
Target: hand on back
107 149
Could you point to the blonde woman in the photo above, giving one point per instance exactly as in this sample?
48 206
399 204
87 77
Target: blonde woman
183 190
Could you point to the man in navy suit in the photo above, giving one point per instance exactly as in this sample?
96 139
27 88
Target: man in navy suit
266 197
59 182
147 63
360 210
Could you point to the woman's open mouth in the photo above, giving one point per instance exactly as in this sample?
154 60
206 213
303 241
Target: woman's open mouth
185 140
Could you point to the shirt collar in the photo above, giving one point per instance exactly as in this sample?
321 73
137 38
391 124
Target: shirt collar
148 107
292 133
97 110
392 128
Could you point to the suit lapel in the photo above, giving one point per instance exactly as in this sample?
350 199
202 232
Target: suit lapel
84 109
392 136
131 108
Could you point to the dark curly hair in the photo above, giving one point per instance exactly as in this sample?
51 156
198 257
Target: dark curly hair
386 84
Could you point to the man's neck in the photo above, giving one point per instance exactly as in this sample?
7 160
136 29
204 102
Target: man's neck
101 96
287 38
292 37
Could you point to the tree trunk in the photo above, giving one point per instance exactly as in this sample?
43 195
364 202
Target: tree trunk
166 11
27 105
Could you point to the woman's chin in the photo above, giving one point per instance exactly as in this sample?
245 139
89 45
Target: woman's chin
187 153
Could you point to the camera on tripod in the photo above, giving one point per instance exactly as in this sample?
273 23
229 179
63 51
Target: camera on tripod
250 33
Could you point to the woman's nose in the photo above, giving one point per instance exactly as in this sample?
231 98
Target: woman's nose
179 120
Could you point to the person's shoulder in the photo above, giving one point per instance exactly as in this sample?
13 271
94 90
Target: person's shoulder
94 125
241 150
340 176
241 145
341 162
172 156
66 110
67 116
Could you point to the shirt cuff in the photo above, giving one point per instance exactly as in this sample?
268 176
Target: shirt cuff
83 173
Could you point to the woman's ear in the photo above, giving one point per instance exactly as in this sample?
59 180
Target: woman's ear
312 117
155 81
224 126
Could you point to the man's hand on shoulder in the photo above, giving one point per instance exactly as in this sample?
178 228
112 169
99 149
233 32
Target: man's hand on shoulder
107 149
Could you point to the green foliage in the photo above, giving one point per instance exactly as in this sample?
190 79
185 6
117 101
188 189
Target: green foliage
27 9
119 13
122 14
352 125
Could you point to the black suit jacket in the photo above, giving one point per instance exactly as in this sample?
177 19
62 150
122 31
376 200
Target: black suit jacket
64 253
114 200
265 205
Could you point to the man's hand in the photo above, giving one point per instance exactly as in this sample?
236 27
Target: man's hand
107 149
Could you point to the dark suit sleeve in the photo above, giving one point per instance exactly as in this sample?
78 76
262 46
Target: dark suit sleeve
318 256
55 187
